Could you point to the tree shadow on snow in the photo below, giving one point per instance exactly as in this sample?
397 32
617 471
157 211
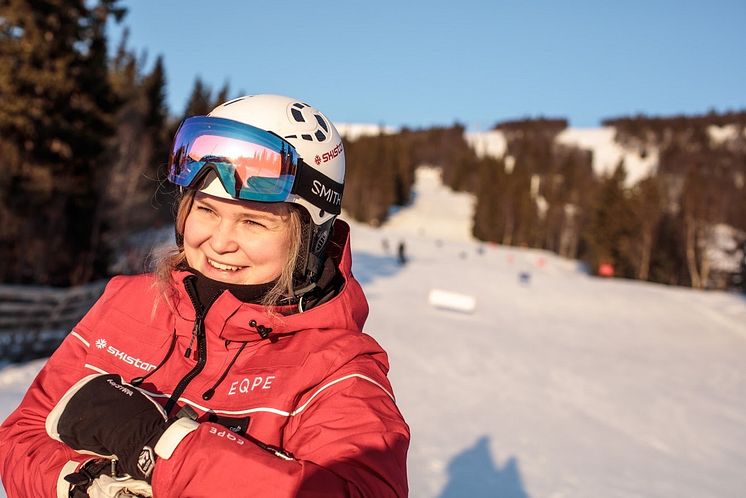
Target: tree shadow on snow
366 267
473 474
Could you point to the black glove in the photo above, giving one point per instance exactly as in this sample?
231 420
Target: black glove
103 415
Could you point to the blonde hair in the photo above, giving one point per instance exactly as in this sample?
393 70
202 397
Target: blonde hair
176 258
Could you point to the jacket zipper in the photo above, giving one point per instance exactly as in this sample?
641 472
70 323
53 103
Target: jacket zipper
199 334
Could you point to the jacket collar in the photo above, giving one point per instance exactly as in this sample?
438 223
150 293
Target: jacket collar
236 321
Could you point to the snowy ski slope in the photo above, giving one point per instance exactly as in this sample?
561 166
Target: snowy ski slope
559 384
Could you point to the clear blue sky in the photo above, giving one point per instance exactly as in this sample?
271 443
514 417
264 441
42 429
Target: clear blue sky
420 63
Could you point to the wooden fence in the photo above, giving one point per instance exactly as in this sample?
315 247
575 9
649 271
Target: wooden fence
34 320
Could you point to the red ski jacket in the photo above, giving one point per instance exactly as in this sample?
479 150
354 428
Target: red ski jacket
303 411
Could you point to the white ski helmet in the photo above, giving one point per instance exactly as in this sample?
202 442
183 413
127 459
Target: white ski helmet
316 184
314 137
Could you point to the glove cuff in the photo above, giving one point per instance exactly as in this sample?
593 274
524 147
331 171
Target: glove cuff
63 487
171 438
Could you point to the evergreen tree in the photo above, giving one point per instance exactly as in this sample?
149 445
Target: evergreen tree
223 95
154 90
379 174
667 260
646 205
159 126
489 192
569 197
56 110
200 101
139 150
610 234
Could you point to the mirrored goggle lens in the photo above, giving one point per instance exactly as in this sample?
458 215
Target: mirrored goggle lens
251 163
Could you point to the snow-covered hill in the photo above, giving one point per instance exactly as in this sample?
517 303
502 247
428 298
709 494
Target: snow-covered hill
601 142
559 384
607 153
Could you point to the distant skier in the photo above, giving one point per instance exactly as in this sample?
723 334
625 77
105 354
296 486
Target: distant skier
401 254
237 369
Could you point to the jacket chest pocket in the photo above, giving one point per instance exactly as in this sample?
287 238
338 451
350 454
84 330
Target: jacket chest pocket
261 389
262 382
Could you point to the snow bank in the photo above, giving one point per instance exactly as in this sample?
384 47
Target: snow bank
453 301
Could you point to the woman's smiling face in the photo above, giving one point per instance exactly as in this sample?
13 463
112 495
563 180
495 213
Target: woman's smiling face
237 242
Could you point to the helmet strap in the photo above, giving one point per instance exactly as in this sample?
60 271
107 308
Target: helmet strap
312 253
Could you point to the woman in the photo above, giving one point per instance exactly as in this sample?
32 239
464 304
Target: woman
239 367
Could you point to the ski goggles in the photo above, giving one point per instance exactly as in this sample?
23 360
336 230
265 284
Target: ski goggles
251 163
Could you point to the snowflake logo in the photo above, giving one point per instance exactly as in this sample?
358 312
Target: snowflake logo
318 160
101 343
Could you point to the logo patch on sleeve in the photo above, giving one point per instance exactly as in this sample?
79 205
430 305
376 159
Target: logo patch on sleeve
239 425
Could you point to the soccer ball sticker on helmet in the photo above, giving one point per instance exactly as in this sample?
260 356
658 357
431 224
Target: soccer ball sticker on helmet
316 127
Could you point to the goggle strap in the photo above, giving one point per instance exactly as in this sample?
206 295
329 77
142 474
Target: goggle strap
318 189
